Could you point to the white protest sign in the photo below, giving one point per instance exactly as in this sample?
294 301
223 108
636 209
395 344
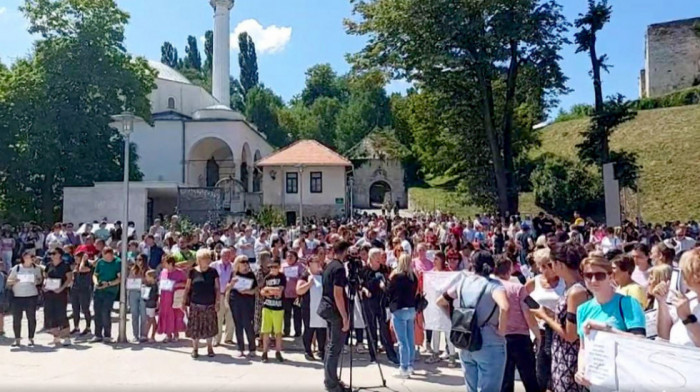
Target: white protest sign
435 283
640 365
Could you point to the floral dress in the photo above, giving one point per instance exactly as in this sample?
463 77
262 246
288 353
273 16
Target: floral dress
564 354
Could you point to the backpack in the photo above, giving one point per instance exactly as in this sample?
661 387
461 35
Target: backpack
466 331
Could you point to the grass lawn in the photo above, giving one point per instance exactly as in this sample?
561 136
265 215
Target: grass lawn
667 142
439 194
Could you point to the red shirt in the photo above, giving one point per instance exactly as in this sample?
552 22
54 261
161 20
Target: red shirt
89 249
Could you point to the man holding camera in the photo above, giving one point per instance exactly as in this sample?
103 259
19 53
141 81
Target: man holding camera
333 309
374 281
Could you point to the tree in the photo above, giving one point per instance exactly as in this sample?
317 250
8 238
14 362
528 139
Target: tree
248 62
168 55
366 110
479 47
595 147
321 81
79 74
193 59
262 107
208 51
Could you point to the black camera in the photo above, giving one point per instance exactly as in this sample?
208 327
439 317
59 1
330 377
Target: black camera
354 267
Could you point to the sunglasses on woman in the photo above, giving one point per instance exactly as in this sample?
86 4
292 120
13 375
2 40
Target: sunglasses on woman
599 276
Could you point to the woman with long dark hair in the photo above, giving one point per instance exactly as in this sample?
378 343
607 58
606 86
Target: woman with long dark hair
81 292
23 280
566 261
59 278
484 368
137 304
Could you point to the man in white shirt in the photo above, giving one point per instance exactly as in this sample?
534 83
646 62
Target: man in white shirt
468 233
246 245
261 244
680 242
610 241
224 268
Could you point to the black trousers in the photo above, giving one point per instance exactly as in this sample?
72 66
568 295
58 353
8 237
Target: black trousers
291 311
243 312
376 319
309 333
80 302
520 354
22 305
544 358
103 314
336 338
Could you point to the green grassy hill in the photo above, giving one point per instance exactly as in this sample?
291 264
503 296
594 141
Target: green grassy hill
667 142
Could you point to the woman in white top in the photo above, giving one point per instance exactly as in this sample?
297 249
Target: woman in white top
678 321
546 288
24 279
611 241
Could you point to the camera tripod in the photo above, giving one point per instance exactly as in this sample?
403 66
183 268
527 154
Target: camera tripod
352 295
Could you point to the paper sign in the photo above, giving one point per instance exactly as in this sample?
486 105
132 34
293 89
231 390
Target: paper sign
434 285
243 284
178 299
166 285
291 272
133 284
26 278
599 356
621 363
145 292
53 284
651 317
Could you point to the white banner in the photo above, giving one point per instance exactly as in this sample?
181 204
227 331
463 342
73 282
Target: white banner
620 363
434 285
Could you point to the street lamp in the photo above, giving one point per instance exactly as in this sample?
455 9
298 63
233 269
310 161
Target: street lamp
124 123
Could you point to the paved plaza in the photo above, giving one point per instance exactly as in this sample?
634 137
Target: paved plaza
150 367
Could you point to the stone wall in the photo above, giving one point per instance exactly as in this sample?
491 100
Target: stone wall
375 170
672 57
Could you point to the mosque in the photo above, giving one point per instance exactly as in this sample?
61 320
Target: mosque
199 156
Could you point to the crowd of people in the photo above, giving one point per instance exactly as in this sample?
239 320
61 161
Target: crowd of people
529 290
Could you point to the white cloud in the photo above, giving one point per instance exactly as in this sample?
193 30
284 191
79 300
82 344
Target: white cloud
2 10
268 40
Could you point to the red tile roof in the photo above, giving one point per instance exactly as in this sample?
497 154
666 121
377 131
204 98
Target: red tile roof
307 153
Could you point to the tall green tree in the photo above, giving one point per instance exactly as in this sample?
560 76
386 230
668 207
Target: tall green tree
480 47
194 58
262 107
321 81
367 109
168 55
79 75
608 115
208 51
248 62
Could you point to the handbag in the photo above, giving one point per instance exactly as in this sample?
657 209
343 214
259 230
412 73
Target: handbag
421 301
466 331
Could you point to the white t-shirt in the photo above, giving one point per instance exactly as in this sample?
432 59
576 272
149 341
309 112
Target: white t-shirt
407 247
608 244
681 245
679 333
248 251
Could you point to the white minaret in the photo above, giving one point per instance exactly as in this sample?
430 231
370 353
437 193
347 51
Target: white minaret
222 60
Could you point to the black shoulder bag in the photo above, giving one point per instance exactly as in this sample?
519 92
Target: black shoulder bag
466 331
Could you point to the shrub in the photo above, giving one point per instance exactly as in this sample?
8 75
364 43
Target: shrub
562 187
270 217
580 110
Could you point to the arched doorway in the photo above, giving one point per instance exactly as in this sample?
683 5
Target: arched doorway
379 193
208 161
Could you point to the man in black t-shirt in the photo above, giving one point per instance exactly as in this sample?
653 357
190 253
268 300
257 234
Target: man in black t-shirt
334 282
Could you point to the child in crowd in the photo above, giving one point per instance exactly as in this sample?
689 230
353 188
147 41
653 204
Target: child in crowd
273 310
149 292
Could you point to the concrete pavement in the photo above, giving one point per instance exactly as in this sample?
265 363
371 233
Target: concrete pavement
159 366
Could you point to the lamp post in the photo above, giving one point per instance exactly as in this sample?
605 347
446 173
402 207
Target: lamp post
124 123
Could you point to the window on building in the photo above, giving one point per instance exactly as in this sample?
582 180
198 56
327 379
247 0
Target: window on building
292 182
171 103
316 182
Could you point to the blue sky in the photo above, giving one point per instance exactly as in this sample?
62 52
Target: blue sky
293 35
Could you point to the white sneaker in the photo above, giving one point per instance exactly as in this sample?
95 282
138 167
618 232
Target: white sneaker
411 370
402 374
66 342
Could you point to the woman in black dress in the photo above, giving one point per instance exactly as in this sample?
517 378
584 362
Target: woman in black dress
201 289
242 303
59 277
